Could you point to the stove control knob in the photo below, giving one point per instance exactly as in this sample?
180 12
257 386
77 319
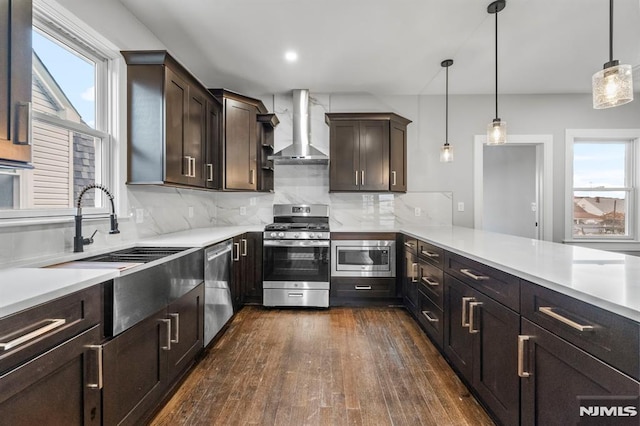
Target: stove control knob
280 234
296 235
312 235
273 234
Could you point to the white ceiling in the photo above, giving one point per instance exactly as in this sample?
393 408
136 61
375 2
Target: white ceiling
393 46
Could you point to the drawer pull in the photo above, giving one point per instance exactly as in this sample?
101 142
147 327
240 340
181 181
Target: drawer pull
363 287
472 274
472 306
295 295
465 318
521 372
98 350
430 282
410 245
53 324
429 254
168 345
429 317
176 326
547 310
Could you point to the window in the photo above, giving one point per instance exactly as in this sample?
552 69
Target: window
601 179
70 124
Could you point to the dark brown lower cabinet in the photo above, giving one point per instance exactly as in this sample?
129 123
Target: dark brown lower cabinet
246 279
410 282
142 363
59 387
559 373
481 340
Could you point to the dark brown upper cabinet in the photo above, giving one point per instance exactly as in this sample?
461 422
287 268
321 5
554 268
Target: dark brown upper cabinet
245 142
368 152
173 130
15 83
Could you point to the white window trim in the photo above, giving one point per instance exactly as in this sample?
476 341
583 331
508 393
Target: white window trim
49 14
633 135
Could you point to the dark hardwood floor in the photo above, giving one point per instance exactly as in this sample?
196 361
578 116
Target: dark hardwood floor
356 366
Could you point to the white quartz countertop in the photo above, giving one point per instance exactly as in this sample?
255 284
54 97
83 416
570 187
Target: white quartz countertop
22 288
608 280
605 279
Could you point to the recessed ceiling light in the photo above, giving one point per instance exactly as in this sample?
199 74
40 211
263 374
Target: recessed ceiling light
291 56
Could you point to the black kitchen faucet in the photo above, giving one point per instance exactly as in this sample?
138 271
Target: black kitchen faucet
78 241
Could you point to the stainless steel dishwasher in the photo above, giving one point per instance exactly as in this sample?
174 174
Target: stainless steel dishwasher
218 306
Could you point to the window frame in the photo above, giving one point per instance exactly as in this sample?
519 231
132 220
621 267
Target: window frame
59 24
631 137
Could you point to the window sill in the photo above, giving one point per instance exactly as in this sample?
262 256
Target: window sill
610 245
39 221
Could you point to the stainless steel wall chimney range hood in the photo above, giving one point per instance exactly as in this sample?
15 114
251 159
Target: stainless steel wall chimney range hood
301 151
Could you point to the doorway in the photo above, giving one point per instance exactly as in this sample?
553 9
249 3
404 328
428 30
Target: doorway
513 186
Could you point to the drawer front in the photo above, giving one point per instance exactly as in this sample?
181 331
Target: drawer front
431 282
603 334
288 297
410 244
34 331
431 318
498 285
364 288
431 253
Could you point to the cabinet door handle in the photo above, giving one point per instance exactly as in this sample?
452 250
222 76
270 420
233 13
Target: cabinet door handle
465 301
209 172
52 325
474 275
521 372
176 326
251 176
167 347
363 287
362 180
188 160
98 351
429 317
414 277
236 248
548 310
430 282
393 177
23 134
356 178
244 247
472 306
429 254
193 167
295 295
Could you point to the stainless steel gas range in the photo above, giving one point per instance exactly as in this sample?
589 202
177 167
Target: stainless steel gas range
296 260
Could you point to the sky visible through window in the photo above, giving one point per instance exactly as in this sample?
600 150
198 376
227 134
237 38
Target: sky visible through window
598 165
74 74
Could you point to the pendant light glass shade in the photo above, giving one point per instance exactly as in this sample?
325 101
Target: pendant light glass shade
446 152
497 129
613 85
497 132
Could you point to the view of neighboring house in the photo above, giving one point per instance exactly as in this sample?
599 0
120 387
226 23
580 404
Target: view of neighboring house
599 215
55 181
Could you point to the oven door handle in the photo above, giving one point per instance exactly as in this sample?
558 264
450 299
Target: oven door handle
296 243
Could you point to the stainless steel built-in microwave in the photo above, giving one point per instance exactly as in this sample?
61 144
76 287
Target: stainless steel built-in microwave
363 258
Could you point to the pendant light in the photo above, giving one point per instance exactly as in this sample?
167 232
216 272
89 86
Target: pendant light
613 85
446 152
497 129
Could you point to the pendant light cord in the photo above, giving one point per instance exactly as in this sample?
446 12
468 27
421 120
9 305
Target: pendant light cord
610 31
446 110
497 63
